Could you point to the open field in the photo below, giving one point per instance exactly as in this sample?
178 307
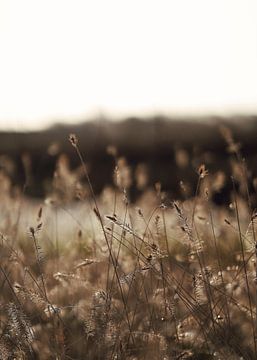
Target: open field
133 269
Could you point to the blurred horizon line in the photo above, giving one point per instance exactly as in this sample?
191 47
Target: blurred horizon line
200 116
23 125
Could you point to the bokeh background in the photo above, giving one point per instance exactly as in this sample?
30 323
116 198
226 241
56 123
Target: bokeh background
154 79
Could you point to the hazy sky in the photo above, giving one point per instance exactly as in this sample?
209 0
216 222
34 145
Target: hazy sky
62 59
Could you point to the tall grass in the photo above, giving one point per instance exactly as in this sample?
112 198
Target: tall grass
98 277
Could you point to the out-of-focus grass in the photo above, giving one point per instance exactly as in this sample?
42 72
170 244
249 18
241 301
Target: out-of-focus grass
86 277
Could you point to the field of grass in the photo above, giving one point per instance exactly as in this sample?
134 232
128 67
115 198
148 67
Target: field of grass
99 277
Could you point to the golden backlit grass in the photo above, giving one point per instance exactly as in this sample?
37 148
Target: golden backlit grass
86 277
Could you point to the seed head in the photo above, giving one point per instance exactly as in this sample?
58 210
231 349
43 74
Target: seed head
73 140
202 171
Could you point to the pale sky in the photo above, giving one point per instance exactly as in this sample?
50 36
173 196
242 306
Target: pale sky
72 59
